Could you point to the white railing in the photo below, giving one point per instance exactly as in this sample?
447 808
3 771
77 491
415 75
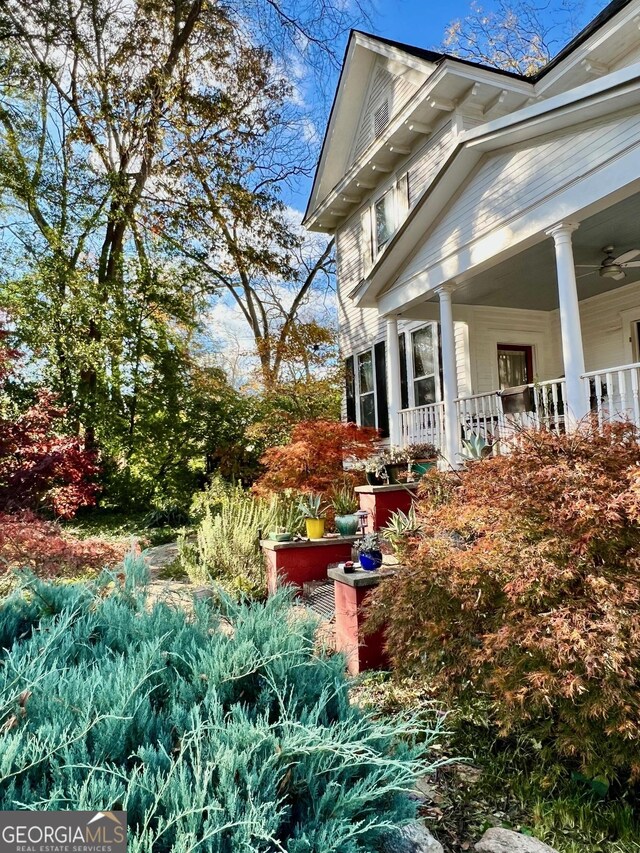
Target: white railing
488 416
423 425
614 393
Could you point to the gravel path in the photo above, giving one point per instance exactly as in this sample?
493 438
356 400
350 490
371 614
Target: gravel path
176 592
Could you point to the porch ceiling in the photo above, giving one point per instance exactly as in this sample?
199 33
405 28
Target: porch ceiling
528 280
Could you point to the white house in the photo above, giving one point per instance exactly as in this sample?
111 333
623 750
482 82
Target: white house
487 234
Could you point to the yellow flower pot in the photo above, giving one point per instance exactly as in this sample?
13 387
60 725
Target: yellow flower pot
315 528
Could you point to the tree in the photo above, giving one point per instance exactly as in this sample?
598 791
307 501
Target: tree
100 102
517 35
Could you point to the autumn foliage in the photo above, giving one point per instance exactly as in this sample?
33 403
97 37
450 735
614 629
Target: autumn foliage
29 542
41 467
525 586
314 459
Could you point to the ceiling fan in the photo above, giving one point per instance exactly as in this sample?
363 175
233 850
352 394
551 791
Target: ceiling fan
612 267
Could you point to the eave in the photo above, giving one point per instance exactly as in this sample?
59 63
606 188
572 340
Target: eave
598 98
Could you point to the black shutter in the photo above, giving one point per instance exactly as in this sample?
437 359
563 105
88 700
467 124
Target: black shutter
350 389
381 389
404 386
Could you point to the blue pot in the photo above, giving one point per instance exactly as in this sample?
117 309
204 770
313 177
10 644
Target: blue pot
371 561
347 525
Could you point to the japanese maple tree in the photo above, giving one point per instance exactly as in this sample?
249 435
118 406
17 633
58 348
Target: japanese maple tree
41 467
314 459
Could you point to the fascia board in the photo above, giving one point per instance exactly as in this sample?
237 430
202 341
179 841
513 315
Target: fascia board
625 18
448 68
622 90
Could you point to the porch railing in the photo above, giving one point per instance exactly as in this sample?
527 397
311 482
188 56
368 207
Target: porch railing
423 425
485 415
614 393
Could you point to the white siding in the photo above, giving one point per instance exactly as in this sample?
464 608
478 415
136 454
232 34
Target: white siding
606 327
489 327
511 182
396 89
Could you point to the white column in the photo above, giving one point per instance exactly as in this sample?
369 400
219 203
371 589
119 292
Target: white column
394 395
449 375
571 331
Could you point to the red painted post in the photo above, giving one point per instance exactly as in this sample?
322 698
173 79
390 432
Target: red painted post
362 651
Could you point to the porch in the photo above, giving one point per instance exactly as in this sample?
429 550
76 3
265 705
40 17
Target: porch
564 301
611 394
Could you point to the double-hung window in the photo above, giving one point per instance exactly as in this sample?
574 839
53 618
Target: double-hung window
366 389
424 346
384 220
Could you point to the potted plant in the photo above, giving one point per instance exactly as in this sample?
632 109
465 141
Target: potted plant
369 551
422 457
345 505
397 463
280 534
375 470
311 509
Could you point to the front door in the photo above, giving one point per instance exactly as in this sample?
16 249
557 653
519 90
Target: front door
515 365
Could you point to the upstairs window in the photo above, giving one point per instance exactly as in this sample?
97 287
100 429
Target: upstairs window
383 215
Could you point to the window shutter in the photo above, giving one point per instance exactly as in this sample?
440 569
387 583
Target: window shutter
404 386
350 388
382 404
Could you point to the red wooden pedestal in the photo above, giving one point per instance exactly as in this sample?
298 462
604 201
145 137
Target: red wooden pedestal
362 651
299 562
381 501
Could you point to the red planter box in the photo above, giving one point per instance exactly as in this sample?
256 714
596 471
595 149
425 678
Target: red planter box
299 562
381 501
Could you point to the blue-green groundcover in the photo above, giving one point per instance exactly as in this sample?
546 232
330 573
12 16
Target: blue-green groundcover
223 730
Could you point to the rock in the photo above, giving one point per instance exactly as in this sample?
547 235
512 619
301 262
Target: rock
412 838
498 840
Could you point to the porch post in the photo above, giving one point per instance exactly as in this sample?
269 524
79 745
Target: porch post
449 374
393 381
572 350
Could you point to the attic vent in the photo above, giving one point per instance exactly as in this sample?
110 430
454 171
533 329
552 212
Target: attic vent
380 118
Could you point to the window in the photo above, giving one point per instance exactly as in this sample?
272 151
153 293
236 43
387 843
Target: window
383 220
366 389
423 346
515 365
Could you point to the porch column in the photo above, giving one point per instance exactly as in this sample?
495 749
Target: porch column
572 350
449 374
394 396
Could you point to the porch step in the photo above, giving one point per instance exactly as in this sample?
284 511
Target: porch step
319 597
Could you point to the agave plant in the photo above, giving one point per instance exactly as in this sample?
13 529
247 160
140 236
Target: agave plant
311 506
399 528
475 448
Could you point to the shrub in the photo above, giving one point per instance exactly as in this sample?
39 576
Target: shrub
524 586
314 459
214 738
226 549
27 541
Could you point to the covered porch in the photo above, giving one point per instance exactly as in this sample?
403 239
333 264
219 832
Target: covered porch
558 319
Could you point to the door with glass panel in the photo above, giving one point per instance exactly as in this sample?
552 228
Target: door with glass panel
515 365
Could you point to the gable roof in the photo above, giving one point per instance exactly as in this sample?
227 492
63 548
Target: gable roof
432 59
